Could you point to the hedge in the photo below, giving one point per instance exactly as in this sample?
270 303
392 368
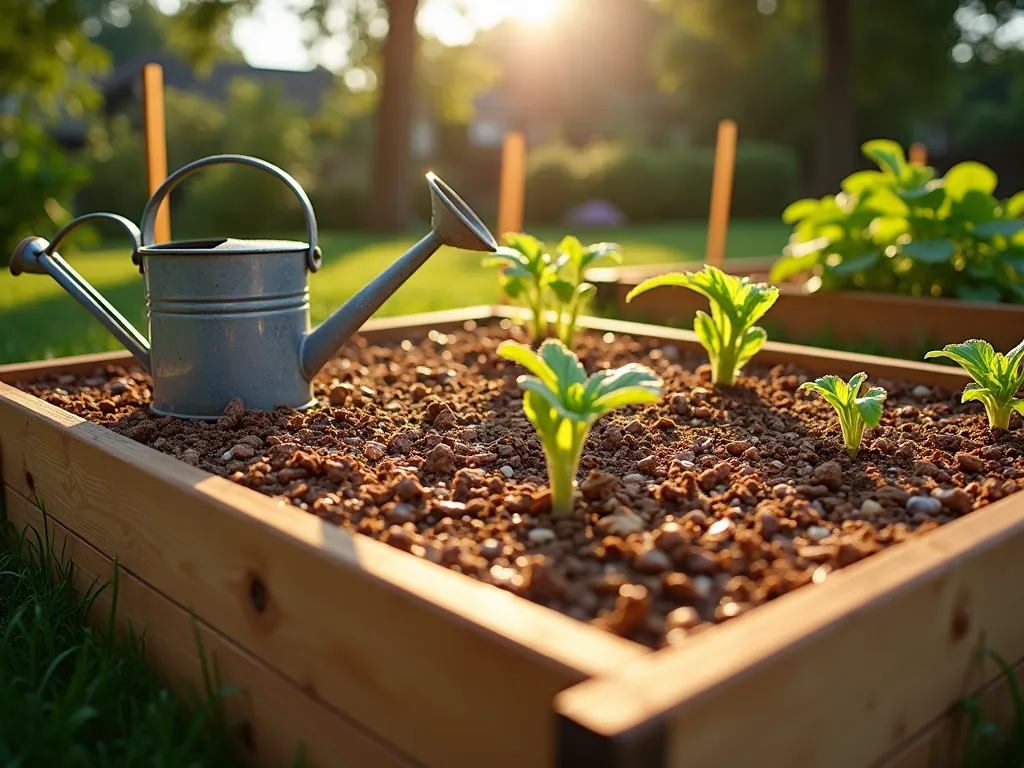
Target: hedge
656 185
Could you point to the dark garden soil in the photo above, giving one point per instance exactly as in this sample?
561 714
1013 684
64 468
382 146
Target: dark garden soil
690 512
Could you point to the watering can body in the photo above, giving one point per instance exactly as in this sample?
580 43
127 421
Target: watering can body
229 318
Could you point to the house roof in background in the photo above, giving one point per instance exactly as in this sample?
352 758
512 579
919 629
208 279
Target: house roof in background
305 87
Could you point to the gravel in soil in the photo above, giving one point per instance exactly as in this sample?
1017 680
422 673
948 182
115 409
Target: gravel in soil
689 512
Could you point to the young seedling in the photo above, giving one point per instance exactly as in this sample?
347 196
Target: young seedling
528 270
562 402
728 333
997 377
570 292
855 412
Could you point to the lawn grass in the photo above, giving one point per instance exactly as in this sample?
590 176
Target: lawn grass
72 695
38 320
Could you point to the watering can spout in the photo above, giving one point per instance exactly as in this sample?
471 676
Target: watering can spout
453 223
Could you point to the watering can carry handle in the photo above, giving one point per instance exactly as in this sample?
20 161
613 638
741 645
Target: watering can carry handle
148 225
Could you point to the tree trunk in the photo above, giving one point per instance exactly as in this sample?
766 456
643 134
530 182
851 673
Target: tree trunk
836 150
390 197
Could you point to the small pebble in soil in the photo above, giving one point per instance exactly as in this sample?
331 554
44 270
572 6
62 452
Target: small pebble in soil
541 536
968 463
954 499
818 532
689 511
871 508
926 505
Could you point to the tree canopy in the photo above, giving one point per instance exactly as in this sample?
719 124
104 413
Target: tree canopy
837 71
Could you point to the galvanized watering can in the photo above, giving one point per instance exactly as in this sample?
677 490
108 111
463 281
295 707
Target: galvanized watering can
230 318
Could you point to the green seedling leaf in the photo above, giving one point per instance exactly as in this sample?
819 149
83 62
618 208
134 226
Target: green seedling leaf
1015 205
563 403
527 271
800 209
997 377
974 207
1004 227
862 181
967 176
570 295
855 264
887 154
736 304
930 251
855 412
563 290
791 265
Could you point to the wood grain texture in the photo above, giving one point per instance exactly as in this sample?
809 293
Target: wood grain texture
275 716
837 674
155 136
400 645
512 191
899 615
721 192
941 744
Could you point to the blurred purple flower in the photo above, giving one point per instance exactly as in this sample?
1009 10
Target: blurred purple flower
595 213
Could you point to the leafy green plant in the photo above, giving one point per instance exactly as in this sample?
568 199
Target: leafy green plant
571 294
997 377
562 403
899 229
537 280
855 412
527 269
728 333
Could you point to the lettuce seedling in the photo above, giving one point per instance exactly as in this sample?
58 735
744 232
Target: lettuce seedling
528 270
728 333
855 412
562 403
997 377
570 292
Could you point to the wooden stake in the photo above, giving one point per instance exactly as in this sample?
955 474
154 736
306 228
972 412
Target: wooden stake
721 192
513 184
918 154
156 143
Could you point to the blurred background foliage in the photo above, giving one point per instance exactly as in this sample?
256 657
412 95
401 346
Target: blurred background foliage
619 105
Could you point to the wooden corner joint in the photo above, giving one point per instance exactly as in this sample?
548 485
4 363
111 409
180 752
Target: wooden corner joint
644 746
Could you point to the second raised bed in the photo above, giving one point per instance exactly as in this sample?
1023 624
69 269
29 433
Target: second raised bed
888 323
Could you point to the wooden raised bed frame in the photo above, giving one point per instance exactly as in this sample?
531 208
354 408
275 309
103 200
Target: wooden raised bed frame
904 323
369 656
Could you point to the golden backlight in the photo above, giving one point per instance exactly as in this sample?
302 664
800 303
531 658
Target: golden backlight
534 11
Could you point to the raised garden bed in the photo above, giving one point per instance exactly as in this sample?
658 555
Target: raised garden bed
893 323
730 570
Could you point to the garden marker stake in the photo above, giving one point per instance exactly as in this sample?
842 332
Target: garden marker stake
919 154
229 318
513 184
155 134
721 192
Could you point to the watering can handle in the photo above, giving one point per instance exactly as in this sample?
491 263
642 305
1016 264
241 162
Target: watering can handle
148 225
34 255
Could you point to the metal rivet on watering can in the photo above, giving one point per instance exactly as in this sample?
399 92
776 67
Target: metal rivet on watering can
230 318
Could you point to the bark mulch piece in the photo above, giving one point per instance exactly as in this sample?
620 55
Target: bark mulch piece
690 511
